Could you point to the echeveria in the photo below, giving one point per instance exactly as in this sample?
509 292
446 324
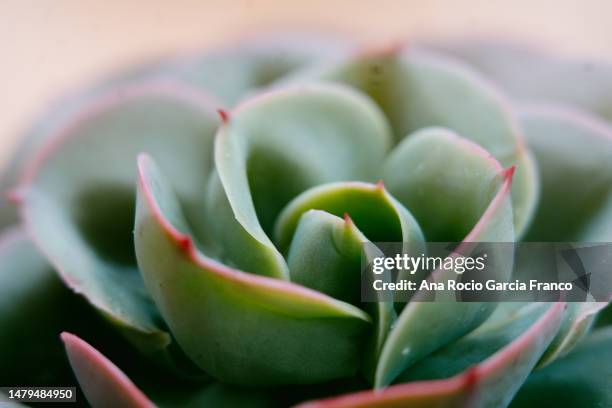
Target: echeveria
212 210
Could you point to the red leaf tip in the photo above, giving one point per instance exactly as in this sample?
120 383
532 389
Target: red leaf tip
471 377
14 196
380 185
508 173
347 218
224 115
185 243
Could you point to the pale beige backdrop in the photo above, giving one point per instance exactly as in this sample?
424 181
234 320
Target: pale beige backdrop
52 46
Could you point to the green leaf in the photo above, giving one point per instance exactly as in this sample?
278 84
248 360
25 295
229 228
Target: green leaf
577 322
580 379
31 292
240 328
277 145
325 255
418 89
78 194
103 384
332 263
509 321
227 74
375 212
430 172
574 156
59 114
533 75
490 383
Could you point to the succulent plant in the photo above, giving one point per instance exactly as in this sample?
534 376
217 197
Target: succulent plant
200 222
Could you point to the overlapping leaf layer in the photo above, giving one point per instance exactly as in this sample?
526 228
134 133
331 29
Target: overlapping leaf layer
212 211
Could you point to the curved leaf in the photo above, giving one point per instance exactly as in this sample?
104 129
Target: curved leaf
574 156
106 385
417 89
325 255
102 382
371 215
78 194
505 325
460 171
275 146
491 383
31 292
533 75
431 171
239 327
377 214
577 322
580 379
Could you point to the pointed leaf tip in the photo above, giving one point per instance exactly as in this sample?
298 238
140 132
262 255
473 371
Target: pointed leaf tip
508 173
347 218
185 243
102 382
380 185
252 306
471 377
224 115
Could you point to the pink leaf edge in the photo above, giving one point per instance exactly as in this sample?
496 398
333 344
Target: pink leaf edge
102 382
467 381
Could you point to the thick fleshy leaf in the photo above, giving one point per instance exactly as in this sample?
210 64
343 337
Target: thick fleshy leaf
577 322
417 89
582 378
227 74
48 123
102 382
78 194
532 75
490 383
239 327
325 255
31 292
509 321
377 214
275 146
574 156
371 214
432 170
107 385
447 169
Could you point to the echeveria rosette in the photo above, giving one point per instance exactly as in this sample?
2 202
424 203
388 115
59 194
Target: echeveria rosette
212 210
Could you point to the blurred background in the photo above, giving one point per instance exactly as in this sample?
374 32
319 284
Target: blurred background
50 47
